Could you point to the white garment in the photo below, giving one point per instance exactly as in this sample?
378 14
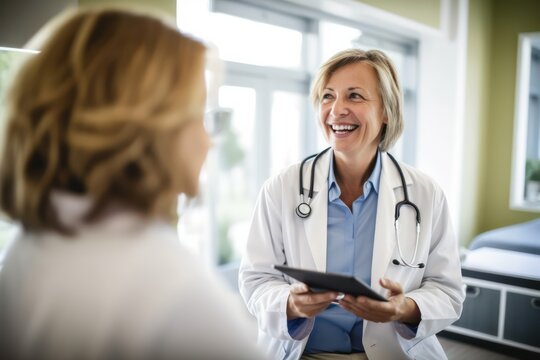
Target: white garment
123 288
278 236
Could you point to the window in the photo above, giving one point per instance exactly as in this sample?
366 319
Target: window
9 60
525 191
265 93
262 44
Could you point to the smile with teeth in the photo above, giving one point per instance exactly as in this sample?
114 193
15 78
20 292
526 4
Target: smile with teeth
342 128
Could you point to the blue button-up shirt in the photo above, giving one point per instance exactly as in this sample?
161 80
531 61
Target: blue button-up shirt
349 251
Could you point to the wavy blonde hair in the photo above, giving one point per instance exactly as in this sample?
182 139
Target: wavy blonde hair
389 89
97 112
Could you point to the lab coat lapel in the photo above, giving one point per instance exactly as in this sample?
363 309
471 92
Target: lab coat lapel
385 242
315 225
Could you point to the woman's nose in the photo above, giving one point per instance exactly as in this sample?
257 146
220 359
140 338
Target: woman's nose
339 108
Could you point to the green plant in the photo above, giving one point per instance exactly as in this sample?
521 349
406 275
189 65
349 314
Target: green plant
532 170
225 250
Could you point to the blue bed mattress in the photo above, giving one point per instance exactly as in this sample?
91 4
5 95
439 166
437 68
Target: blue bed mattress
524 237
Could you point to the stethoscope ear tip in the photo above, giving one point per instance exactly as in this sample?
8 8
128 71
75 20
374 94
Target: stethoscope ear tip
418 266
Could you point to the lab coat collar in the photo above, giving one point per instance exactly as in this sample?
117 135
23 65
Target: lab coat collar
72 210
323 167
394 179
321 173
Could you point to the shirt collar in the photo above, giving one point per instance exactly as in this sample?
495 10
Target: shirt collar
372 183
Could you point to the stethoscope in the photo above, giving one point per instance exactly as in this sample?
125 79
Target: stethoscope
303 210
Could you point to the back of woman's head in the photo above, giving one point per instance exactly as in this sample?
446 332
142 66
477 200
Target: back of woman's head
97 112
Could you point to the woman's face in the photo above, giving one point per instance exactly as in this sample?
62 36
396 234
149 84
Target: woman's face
193 145
350 111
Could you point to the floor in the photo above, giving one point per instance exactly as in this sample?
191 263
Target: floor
456 350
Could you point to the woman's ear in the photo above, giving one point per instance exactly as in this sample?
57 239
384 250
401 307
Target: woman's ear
383 131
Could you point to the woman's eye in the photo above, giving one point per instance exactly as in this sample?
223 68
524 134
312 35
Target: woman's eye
356 96
326 97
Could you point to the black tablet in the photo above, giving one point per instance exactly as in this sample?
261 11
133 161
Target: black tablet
319 281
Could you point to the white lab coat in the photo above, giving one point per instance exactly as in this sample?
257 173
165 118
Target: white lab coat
121 288
278 236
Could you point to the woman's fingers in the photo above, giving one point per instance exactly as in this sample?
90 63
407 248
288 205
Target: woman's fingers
299 288
394 287
377 313
374 310
304 303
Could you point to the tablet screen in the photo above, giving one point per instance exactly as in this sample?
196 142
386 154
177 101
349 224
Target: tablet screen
318 281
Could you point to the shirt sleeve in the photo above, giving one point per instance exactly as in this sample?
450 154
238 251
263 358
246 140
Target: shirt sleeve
296 326
405 330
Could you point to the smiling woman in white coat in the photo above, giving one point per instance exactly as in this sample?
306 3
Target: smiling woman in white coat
348 225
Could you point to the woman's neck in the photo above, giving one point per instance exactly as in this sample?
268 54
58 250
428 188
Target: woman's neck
352 171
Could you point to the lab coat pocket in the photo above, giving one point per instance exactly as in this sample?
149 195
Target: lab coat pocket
408 277
427 349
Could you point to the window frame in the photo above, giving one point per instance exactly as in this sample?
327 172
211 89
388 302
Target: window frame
527 44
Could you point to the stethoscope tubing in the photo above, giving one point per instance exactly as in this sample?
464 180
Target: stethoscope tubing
303 210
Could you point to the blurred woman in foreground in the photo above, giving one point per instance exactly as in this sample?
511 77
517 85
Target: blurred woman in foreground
104 131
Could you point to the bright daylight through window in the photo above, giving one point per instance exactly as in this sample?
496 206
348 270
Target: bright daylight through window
269 57
9 60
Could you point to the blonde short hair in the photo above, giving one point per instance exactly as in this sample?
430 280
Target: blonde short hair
389 88
98 112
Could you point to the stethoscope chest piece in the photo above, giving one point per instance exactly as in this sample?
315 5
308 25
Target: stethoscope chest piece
303 210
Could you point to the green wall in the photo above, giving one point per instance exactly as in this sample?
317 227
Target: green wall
509 18
494 26
423 11
476 118
167 6
426 12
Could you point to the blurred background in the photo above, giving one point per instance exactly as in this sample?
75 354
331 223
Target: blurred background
457 61
470 71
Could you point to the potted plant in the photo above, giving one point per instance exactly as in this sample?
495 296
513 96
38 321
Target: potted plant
532 178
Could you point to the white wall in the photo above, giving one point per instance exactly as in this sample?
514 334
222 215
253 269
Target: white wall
441 115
